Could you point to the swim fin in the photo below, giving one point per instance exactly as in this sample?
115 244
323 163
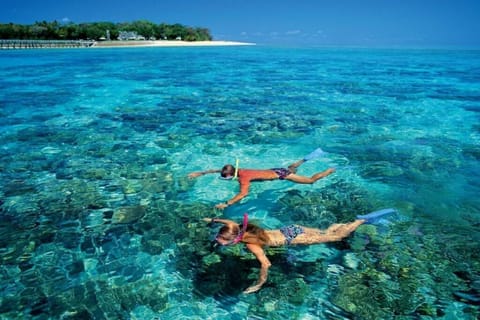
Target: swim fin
377 217
314 154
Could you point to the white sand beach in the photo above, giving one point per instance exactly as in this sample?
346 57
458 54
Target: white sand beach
165 43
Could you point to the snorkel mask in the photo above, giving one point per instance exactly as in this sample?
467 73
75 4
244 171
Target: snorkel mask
239 237
235 175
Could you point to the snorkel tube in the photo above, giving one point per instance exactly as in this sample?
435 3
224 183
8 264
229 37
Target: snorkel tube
235 175
238 238
244 229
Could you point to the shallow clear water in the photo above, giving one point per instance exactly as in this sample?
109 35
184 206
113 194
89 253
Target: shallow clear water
98 219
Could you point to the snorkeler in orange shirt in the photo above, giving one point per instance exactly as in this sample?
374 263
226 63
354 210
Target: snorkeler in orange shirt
245 176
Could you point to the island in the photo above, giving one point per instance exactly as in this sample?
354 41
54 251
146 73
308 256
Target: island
139 33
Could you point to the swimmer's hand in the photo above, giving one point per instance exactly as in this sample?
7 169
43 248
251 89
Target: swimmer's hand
194 175
221 206
252 289
330 170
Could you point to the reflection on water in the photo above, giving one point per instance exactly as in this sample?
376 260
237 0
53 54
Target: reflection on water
98 219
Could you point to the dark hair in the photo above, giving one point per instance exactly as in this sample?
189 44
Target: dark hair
229 231
227 171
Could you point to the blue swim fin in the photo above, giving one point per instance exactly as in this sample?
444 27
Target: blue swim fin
377 217
314 154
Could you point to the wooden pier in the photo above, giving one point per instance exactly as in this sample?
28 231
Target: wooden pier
39 44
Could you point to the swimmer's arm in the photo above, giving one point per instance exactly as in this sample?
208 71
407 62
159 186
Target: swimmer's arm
217 220
239 196
227 203
257 250
201 173
244 186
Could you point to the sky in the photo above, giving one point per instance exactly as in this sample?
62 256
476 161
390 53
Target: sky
370 23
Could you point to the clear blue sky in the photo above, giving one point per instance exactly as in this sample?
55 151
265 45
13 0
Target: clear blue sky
310 22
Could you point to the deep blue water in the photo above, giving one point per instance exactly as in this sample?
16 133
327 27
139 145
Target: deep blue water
98 219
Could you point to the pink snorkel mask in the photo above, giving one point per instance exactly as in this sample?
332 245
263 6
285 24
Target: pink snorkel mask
239 237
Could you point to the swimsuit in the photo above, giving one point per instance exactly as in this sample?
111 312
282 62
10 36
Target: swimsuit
281 172
245 176
291 232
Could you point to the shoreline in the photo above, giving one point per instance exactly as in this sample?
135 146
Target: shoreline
167 43
6 44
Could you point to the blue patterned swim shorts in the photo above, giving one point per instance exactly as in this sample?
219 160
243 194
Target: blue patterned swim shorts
291 232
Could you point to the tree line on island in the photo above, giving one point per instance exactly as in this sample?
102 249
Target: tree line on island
137 30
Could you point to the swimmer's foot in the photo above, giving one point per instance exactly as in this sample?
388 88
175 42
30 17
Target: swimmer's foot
377 216
314 154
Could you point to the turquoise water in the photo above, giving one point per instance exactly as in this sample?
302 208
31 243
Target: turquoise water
99 221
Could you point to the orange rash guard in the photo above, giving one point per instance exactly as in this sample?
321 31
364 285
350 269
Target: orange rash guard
247 175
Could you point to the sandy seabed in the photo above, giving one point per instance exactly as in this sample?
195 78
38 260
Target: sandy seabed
165 43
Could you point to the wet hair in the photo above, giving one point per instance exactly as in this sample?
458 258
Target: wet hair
229 232
254 234
227 171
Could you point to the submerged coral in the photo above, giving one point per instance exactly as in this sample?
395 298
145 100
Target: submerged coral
98 218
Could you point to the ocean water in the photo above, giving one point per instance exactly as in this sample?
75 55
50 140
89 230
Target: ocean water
98 219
